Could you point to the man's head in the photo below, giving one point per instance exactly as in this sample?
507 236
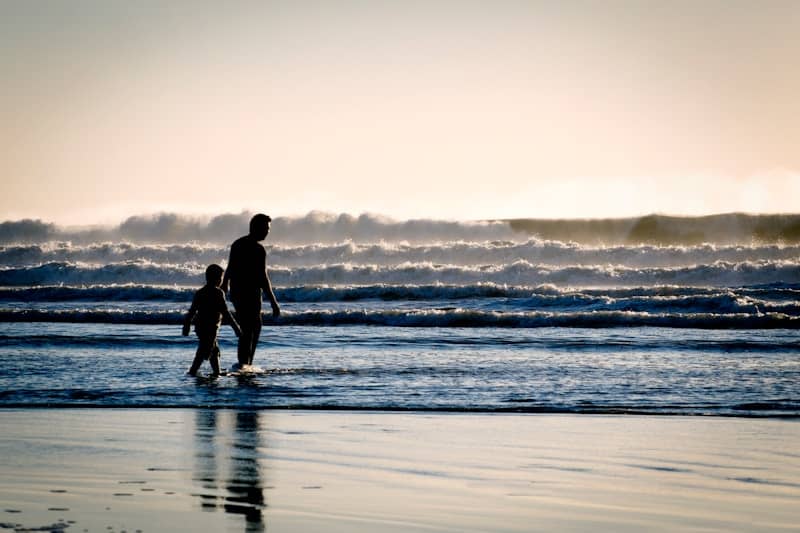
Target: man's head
259 226
214 275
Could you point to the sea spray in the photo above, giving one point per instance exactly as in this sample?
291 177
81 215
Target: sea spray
327 228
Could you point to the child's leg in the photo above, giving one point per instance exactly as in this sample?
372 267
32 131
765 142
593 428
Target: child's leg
204 348
213 358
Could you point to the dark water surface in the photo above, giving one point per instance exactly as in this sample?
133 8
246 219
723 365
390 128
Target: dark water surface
590 370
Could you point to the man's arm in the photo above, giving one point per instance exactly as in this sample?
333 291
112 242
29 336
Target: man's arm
276 310
266 285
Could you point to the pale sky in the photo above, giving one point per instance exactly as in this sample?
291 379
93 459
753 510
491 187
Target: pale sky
412 109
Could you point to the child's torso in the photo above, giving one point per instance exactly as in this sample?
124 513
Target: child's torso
210 302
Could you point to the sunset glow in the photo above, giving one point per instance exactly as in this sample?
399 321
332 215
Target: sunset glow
441 109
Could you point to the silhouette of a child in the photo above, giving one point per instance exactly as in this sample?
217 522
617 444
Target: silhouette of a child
208 309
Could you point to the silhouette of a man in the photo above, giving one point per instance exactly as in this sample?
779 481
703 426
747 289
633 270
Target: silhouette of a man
247 277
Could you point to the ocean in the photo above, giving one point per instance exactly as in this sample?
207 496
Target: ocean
653 315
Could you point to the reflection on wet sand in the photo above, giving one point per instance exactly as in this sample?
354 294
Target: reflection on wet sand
227 465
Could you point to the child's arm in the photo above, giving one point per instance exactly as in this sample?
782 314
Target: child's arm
187 321
223 308
235 325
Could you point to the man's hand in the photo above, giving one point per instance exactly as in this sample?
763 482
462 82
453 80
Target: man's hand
236 329
276 311
185 331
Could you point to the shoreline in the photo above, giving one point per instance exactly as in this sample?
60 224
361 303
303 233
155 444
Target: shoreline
306 470
745 414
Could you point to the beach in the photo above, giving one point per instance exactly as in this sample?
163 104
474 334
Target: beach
277 470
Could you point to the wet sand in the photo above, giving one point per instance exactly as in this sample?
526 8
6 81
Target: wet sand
205 470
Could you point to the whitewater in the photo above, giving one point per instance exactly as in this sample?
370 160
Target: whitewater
647 315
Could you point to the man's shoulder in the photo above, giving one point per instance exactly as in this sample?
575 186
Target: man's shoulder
247 244
241 241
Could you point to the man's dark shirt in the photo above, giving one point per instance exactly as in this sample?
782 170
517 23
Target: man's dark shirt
247 271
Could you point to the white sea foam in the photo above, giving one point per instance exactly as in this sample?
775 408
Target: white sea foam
392 254
425 272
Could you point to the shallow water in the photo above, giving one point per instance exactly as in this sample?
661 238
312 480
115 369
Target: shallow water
617 370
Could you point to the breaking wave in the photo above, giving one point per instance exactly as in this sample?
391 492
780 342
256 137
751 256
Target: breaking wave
387 254
761 299
520 272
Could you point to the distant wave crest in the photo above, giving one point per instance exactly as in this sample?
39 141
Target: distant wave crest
319 227
315 227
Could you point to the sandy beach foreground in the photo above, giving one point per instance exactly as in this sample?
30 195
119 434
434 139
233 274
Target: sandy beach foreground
220 470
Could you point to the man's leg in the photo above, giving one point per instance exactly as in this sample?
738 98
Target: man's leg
256 334
245 339
249 318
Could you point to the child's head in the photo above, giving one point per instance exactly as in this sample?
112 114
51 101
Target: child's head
214 275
